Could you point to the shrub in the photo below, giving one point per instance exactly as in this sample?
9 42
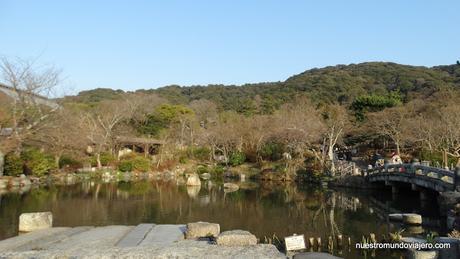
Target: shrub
199 153
237 158
14 165
134 163
67 161
125 166
217 170
202 169
38 163
106 159
272 151
183 160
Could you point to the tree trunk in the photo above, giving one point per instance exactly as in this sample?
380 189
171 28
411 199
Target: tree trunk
98 160
2 162
330 155
398 151
57 159
445 159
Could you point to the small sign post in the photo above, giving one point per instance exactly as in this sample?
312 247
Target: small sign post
295 242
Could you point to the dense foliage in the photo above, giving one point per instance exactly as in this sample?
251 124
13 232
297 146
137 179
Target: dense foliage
342 83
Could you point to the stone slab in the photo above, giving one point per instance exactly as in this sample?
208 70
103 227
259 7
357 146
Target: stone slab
96 238
136 235
45 242
21 240
162 235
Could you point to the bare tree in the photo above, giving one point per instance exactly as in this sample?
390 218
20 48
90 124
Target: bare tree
101 124
336 119
205 111
28 86
394 124
62 133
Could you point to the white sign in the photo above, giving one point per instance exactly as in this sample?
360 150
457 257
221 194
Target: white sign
294 242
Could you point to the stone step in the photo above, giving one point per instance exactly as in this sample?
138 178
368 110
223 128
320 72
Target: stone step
162 235
135 236
96 238
43 243
21 240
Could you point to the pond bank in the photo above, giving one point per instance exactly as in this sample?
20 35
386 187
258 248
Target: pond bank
142 241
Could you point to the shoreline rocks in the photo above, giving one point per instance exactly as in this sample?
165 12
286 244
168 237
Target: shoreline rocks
35 221
407 218
230 187
201 230
236 238
193 180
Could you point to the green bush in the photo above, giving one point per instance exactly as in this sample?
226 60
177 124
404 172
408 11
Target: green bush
202 169
125 166
199 153
67 161
106 159
435 157
237 158
134 163
14 165
271 151
217 170
183 159
38 163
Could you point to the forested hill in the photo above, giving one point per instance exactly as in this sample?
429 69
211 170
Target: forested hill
341 83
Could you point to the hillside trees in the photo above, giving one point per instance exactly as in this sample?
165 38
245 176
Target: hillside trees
394 123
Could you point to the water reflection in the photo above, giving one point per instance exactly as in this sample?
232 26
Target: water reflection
264 208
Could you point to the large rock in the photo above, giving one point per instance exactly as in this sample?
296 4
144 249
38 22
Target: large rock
236 238
3 183
193 180
205 176
231 187
193 191
35 221
412 219
395 216
202 229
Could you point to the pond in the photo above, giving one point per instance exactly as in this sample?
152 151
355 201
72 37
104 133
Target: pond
263 208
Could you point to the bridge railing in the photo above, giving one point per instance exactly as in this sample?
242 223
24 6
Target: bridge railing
444 176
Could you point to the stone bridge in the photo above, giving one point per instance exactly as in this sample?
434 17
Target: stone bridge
419 176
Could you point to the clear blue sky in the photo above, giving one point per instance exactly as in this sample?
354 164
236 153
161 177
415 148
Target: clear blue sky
148 44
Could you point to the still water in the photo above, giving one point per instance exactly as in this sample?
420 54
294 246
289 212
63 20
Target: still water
263 208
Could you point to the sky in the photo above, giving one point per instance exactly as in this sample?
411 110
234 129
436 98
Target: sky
148 44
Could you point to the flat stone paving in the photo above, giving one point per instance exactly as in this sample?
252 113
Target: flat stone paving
142 241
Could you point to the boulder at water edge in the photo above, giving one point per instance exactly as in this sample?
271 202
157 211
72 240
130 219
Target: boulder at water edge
202 229
412 219
193 180
35 221
236 238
